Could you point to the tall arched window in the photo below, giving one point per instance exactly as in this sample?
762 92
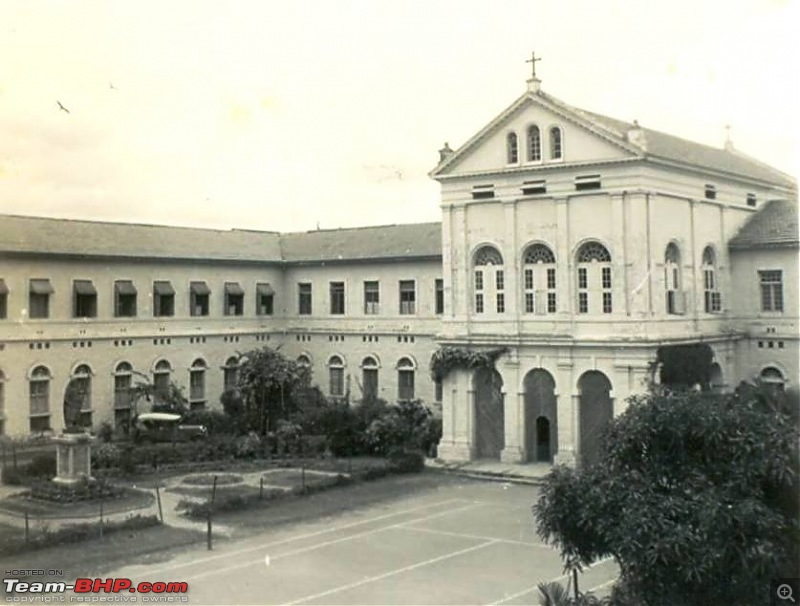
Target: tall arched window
556 143
162 374
594 276
39 399
82 376
197 384
534 144
712 299
512 148
539 279
489 285
405 379
672 280
123 382
336 376
369 373
230 374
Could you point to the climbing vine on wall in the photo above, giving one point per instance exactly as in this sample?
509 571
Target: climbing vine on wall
447 359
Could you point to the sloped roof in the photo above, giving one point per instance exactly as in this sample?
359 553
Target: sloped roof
39 235
421 240
654 144
774 226
20 234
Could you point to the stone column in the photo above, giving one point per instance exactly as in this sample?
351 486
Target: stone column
514 451
458 410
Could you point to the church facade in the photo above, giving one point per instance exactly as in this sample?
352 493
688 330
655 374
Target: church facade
574 243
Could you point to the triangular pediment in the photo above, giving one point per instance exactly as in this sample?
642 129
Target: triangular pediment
582 139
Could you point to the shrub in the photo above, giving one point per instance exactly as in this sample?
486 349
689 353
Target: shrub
289 436
106 456
216 421
249 446
406 461
105 432
42 465
87 490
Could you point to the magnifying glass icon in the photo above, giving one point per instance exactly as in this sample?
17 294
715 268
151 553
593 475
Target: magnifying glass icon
785 592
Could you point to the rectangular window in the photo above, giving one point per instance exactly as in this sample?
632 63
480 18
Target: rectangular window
583 303
606 277
39 298
234 299
125 295
499 279
710 192
712 302
501 303
199 294
479 303
482 192
532 188
771 290
529 302
439 296
265 299
405 385
163 299
551 302
197 389
3 300
304 298
372 297
751 200
84 298
551 279
39 405
587 182
337 298
337 382
528 276
607 309
122 391
582 279
479 280
408 297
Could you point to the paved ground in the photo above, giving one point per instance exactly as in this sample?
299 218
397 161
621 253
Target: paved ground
443 540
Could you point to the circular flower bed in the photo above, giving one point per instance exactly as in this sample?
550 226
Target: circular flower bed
207 479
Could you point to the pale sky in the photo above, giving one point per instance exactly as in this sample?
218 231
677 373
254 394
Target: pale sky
284 115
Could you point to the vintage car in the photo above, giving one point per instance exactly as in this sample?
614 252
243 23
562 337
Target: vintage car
166 427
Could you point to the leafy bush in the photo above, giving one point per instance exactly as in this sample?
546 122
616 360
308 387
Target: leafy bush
407 425
105 432
106 456
406 461
40 466
216 421
696 497
289 436
87 490
249 446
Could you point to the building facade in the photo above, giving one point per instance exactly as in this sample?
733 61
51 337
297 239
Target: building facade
577 243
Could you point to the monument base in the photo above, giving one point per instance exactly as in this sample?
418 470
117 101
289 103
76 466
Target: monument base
73 458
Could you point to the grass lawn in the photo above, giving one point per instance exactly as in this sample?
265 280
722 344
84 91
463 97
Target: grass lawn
131 500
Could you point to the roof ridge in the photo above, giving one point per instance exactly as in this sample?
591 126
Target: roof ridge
334 229
124 223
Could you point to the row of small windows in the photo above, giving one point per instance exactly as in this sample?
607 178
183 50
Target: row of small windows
594 277
85 299
533 140
369 384
407 299
538 186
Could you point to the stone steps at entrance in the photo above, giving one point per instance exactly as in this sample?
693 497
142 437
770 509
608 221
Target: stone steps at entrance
492 469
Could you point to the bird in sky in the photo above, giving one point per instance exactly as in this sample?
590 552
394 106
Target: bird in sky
61 106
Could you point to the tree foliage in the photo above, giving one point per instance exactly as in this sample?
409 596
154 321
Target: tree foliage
685 365
447 359
696 497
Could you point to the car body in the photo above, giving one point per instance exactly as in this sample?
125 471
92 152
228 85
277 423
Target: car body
166 427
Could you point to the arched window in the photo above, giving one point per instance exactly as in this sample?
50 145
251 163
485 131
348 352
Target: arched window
489 280
534 144
197 384
123 382
672 280
304 360
405 379
82 377
772 377
594 275
162 377
712 298
39 399
369 371
230 374
539 279
556 143
512 148
336 376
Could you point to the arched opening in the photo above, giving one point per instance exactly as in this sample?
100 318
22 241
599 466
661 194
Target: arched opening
543 440
595 411
716 380
540 403
489 413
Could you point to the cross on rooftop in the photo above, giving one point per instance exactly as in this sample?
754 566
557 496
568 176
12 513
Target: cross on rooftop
533 61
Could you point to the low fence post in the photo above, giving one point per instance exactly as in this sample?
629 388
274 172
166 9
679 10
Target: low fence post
261 488
208 538
158 499
214 490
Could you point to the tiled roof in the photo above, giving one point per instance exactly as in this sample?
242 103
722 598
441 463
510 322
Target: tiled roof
69 237
675 149
37 235
774 226
363 243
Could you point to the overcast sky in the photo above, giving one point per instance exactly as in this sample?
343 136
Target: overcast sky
284 115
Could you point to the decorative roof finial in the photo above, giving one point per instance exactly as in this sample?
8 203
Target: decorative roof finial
534 84
728 141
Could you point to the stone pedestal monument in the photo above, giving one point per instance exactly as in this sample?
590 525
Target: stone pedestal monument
74 446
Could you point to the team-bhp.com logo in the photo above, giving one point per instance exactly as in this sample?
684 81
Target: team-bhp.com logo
96 586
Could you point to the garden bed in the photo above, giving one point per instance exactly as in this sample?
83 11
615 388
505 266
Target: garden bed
129 499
